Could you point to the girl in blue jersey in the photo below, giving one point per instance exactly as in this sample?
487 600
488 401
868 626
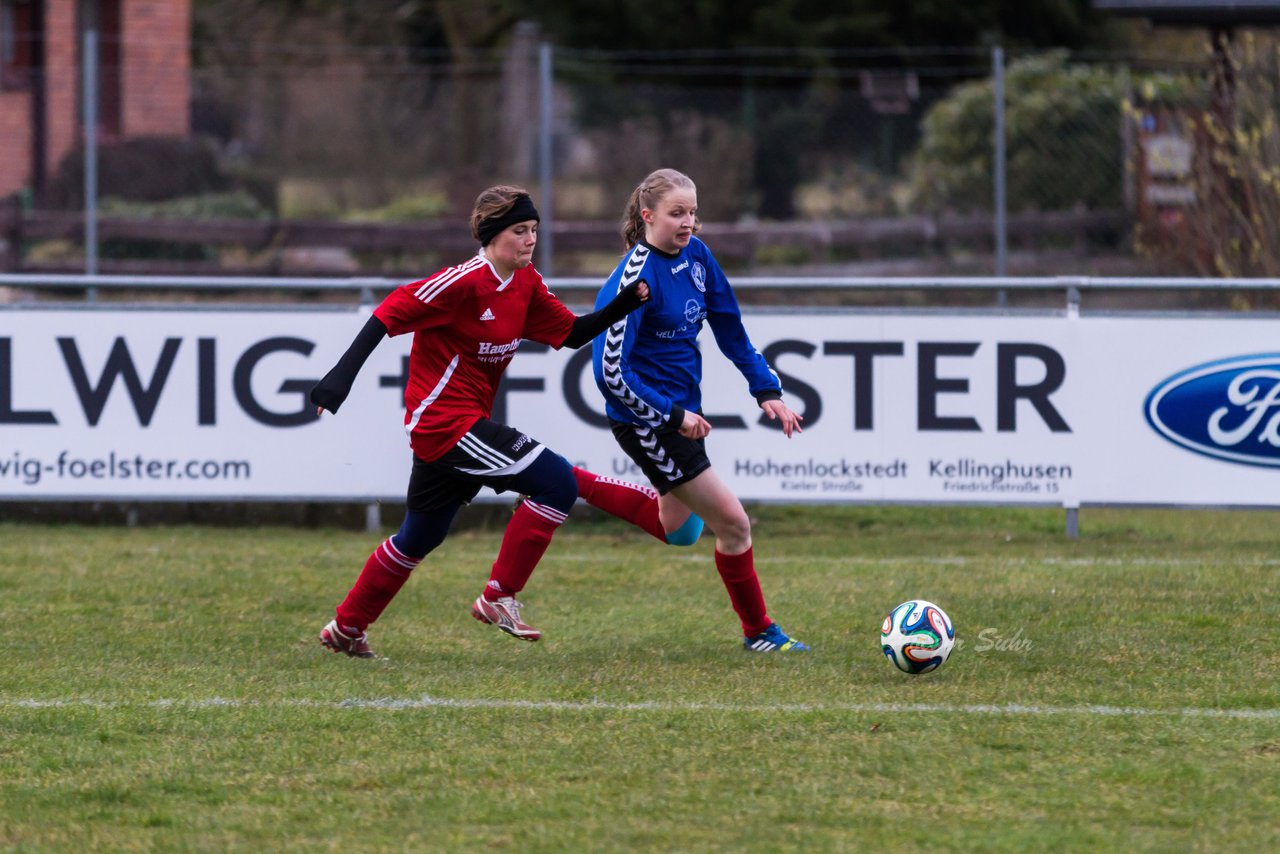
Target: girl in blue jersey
649 369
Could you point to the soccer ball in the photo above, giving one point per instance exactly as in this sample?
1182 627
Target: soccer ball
917 636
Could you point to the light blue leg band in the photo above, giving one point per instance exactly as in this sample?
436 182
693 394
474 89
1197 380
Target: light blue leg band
688 533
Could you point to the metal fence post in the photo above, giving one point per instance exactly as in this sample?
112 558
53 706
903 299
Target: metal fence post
998 165
90 107
546 260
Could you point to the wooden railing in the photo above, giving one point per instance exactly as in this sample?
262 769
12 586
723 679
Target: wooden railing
739 242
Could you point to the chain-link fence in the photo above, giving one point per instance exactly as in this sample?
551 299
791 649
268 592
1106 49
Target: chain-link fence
832 159
768 134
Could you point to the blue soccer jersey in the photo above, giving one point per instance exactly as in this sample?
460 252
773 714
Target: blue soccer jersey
648 365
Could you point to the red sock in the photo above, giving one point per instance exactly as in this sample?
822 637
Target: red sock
738 572
526 539
629 501
384 573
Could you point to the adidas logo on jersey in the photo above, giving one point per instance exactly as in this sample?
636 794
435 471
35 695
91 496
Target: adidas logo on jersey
488 315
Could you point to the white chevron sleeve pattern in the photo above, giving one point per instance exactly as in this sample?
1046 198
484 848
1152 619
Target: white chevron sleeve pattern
611 359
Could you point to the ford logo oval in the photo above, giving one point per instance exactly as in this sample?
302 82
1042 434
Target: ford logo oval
1229 409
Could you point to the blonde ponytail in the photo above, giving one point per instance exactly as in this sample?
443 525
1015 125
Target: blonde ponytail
647 195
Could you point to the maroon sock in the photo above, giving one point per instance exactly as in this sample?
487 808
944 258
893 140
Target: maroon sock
384 573
629 501
738 572
523 543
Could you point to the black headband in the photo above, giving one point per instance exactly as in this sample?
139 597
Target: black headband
522 210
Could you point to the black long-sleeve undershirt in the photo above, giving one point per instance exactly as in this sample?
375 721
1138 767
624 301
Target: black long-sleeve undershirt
587 326
333 389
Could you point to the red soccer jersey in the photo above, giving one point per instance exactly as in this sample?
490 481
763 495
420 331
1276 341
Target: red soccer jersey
467 324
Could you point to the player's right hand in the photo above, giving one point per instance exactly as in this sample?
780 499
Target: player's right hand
694 425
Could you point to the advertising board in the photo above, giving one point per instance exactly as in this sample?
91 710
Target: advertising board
193 404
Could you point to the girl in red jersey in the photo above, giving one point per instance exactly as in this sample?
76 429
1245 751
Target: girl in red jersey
468 322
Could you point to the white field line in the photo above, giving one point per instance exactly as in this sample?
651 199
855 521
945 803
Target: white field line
433 703
936 560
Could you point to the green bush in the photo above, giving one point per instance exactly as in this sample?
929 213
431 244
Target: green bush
153 169
237 204
143 169
1063 141
413 208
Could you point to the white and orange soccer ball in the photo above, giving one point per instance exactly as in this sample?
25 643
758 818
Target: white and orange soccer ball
917 636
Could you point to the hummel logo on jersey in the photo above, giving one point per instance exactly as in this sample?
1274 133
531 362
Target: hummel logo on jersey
488 315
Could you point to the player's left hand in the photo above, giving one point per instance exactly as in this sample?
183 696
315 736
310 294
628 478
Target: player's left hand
779 411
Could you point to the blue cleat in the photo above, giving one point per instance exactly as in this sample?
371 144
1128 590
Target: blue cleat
772 639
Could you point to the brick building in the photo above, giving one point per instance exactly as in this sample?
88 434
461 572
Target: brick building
144 78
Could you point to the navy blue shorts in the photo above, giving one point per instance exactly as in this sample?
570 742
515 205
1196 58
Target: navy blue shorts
666 458
489 454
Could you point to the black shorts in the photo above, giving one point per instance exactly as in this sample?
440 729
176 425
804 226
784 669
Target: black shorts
667 458
489 454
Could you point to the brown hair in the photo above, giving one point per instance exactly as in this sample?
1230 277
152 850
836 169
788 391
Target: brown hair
494 203
647 195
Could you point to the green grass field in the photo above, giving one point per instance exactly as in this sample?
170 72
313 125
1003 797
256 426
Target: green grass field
161 689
